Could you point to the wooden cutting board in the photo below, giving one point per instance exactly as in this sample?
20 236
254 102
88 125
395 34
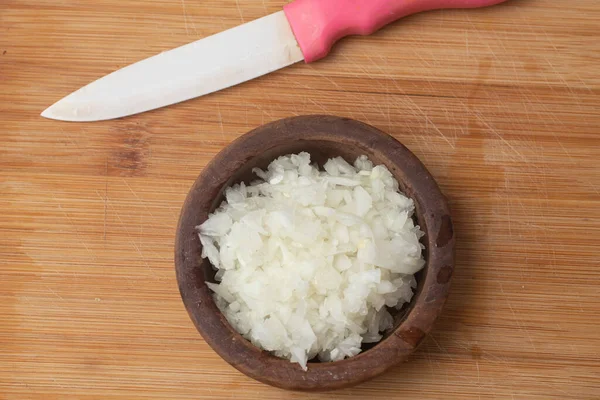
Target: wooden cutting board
501 104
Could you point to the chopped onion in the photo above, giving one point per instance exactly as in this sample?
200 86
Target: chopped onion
308 260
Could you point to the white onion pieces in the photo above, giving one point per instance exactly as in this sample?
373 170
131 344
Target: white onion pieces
307 259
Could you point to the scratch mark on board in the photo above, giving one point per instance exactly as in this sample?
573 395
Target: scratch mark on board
53 292
441 348
136 247
518 321
318 105
493 130
237 4
221 121
105 198
79 235
429 121
142 202
187 32
324 76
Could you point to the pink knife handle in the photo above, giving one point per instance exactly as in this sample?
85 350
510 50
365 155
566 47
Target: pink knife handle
318 24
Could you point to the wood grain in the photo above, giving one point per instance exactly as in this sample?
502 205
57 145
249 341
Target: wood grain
501 104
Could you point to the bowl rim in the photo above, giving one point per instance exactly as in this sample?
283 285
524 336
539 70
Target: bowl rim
432 212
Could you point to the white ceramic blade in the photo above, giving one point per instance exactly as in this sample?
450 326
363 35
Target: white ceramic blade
207 65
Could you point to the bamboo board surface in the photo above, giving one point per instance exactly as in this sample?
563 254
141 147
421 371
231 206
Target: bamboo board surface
501 104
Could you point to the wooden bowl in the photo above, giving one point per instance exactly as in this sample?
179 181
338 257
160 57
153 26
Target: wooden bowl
322 137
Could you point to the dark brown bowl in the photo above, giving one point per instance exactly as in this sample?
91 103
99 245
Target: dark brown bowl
322 137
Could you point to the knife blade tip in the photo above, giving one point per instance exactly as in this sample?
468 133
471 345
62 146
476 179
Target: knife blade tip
63 111
51 113
46 113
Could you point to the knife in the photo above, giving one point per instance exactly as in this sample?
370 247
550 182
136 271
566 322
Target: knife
304 30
